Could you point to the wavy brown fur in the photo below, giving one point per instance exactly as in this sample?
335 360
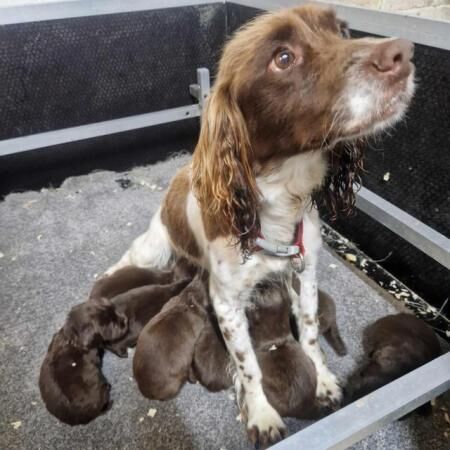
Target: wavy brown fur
222 175
338 193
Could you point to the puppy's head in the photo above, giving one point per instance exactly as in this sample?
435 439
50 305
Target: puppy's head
290 82
71 382
92 323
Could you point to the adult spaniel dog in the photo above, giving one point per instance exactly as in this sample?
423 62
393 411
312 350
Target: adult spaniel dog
293 94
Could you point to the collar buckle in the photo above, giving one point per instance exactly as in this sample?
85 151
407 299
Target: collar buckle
280 250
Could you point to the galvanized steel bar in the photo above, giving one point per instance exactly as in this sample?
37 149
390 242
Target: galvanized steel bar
432 243
83 8
363 417
49 138
434 33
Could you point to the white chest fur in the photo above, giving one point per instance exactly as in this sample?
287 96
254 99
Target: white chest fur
286 192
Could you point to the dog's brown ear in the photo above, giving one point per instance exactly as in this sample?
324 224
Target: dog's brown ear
222 175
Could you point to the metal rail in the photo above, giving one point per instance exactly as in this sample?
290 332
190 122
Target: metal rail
93 130
432 243
434 33
199 91
368 414
420 30
84 8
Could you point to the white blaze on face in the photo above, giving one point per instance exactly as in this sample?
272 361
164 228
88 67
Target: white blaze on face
360 104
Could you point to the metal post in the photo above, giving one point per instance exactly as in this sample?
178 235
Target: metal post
201 89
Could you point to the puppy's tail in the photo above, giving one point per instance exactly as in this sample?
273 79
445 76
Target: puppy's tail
334 338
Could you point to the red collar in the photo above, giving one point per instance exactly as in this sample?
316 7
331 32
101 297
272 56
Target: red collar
299 238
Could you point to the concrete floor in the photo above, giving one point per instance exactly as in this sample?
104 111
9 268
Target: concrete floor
54 243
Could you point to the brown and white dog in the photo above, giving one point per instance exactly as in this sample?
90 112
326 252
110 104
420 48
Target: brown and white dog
290 91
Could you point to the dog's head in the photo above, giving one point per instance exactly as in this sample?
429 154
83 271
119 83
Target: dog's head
94 322
290 82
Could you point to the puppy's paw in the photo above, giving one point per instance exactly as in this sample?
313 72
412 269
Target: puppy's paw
265 426
328 391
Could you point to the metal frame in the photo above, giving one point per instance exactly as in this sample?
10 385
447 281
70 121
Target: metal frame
93 130
368 414
432 243
418 29
83 8
434 33
200 91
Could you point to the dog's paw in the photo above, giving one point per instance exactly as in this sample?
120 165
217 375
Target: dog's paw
265 426
328 391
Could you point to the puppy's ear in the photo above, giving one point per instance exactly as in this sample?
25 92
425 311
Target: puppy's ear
116 329
83 335
109 324
222 175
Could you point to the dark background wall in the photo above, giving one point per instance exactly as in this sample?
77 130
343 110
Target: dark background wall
71 72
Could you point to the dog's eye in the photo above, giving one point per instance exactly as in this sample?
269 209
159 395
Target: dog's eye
284 59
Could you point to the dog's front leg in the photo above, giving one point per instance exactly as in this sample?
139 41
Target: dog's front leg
328 391
305 309
264 424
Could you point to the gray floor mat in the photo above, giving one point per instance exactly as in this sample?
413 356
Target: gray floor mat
52 245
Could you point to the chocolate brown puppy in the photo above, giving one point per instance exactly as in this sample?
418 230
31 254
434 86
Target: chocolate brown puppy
211 360
128 278
289 376
131 277
116 323
71 382
165 347
93 323
139 305
327 324
394 345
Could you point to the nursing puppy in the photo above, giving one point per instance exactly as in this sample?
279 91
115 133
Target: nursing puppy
165 347
131 277
72 385
87 324
288 375
128 278
93 323
328 325
394 345
140 305
327 321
